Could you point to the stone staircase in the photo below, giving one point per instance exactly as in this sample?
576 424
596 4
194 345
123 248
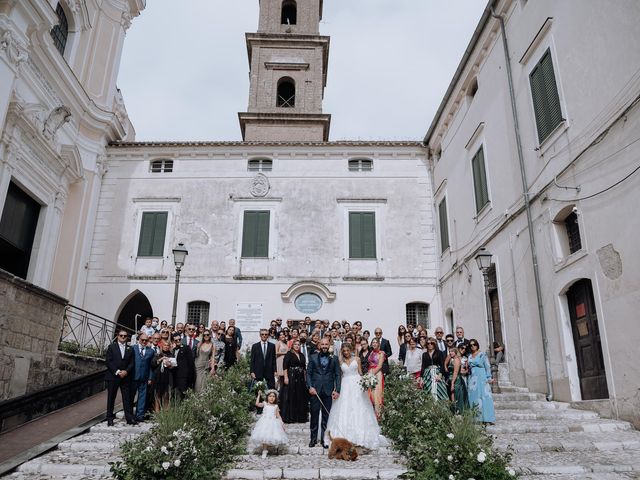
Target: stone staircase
299 461
552 441
86 456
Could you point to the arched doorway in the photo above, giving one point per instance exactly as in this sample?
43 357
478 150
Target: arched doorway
586 338
135 307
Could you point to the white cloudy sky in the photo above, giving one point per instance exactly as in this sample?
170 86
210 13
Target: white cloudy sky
184 71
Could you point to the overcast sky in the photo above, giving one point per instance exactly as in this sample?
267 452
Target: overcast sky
184 71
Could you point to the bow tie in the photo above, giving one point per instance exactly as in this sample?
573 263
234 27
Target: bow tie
324 354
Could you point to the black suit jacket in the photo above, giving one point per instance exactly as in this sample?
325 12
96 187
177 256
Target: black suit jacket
115 362
186 367
325 381
263 367
385 346
428 360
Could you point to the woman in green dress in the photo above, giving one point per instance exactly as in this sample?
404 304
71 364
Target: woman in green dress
432 371
458 389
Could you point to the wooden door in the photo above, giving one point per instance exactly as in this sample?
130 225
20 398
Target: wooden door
586 338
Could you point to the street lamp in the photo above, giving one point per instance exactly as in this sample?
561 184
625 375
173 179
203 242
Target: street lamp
483 259
179 255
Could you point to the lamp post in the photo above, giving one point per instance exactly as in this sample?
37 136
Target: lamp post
483 259
179 255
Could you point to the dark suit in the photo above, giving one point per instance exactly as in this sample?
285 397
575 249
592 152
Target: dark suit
184 373
116 362
143 374
264 366
325 380
385 346
194 344
464 342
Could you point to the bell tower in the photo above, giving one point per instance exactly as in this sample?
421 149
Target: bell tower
288 61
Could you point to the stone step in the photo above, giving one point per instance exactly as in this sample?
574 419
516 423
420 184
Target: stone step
530 405
513 389
45 476
584 476
121 428
65 470
577 463
569 442
517 397
569 413
557 425
297 449
338 472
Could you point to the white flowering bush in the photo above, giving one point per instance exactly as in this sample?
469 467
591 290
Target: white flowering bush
438 444
193 439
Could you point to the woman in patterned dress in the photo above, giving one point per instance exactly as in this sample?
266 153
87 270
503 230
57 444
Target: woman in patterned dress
432 371
479 384
376 360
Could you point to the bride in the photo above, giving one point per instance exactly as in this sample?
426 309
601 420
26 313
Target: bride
352 415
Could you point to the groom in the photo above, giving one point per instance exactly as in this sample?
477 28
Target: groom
323 382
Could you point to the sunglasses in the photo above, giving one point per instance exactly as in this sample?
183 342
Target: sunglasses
206 335
449 341
123 336
144 340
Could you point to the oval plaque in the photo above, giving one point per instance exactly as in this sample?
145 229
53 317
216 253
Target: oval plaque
308 303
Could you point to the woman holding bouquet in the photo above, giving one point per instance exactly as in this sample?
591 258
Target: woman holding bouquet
376 361
352 415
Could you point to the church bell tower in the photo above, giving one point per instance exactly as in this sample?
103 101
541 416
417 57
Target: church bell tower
288 61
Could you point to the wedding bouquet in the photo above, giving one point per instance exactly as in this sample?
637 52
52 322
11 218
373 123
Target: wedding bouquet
260 386
368 381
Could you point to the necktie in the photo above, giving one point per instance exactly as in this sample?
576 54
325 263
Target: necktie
264 350
142 353
190 342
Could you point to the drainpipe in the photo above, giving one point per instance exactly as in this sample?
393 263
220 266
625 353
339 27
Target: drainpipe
527 207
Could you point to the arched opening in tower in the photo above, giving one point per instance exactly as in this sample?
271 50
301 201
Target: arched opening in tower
289 12
286 93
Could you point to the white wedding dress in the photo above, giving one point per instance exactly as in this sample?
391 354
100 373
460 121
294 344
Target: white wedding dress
352 415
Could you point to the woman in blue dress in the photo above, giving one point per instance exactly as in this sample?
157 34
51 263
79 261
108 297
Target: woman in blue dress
479 384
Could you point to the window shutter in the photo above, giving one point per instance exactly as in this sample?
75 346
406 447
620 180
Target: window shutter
362 235
255 234
546 101
480 180
444 225
355 238
152 234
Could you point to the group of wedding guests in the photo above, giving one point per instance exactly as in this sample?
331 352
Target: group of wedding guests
281 359
164 362
449 367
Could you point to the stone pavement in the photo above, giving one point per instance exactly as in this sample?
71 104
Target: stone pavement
298 461
552 441
86 456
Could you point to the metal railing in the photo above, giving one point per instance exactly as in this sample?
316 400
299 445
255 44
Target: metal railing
86 333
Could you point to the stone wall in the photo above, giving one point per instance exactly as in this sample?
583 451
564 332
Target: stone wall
30 323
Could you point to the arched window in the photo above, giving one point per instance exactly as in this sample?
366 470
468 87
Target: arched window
161 166
289 12
61 31
260 165
286 93
360 165
567 229
198 313
418 314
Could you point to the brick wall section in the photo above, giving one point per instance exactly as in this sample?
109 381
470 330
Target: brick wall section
30 323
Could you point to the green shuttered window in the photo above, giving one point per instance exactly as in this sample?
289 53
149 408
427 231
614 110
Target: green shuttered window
152 234
255 234
480 180
444 225
362 235
546 101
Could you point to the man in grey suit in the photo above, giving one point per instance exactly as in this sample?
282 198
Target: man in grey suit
323 381
385 346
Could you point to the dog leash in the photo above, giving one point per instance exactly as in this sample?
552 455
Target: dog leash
325 408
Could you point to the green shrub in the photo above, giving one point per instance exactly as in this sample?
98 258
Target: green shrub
198 437
69 347
438 445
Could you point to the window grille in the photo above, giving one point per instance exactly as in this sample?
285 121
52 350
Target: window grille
260 165
198 313
60 32
161 166
573 232
418 314
361 165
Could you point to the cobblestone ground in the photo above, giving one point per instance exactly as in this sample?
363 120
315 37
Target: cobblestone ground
550 440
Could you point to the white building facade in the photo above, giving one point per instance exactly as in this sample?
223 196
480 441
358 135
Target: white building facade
575 89
284 224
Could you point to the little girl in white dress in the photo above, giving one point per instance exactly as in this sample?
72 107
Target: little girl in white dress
269 429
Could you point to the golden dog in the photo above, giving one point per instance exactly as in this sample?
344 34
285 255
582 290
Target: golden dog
342 449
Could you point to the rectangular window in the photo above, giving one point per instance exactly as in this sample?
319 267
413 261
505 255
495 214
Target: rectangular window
152 234
198 313
546 101
418 314
573 233
362 235
480 180
255 234
444 225
17 231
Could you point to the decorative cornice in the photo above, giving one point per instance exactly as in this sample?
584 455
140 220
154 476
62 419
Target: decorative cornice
308 286
337 143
